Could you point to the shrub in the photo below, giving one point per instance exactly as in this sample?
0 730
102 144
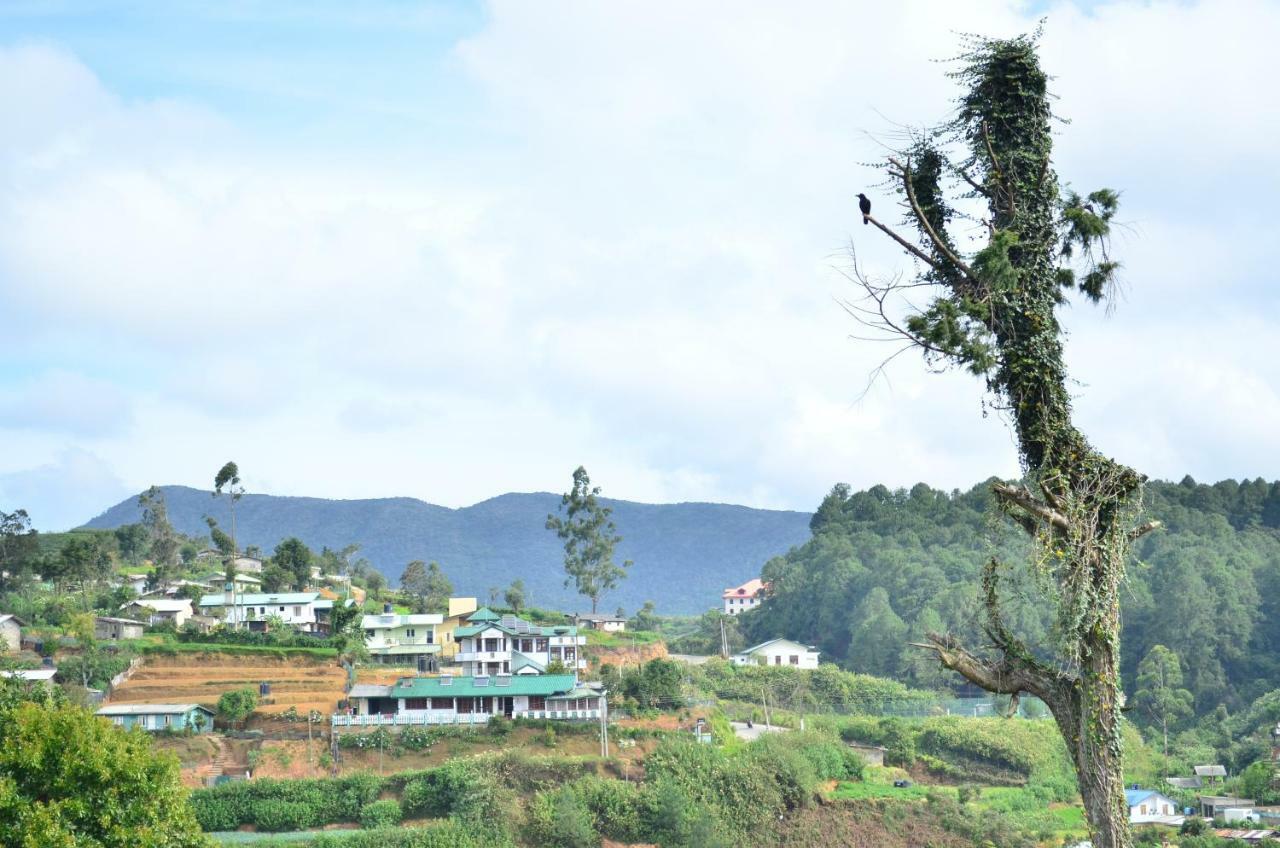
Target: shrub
560 819
380 814
275 815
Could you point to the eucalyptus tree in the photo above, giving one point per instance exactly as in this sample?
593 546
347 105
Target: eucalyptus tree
992 311
163 538
590 538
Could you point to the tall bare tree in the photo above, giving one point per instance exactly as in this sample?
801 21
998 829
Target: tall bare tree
993 312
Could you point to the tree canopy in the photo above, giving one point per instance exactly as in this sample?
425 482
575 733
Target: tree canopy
590 538
69 778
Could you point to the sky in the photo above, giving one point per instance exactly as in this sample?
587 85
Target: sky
450 250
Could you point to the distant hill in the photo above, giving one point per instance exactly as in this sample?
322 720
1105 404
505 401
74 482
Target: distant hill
684 554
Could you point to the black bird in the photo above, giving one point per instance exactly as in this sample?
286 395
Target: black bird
865 205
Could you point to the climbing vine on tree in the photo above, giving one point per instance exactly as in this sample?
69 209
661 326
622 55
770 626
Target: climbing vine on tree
993 312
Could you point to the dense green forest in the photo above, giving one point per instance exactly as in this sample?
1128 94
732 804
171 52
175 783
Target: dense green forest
883 567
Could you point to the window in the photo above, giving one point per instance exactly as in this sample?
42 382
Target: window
369 634
777 660
297 612
795 660
537 702
165 719
409 633
415 703
466 705
441 703
281 609
484 705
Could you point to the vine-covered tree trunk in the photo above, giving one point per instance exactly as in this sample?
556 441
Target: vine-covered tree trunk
996 317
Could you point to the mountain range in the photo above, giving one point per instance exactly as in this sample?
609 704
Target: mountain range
684 554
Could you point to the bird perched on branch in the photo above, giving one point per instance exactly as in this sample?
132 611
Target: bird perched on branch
865 205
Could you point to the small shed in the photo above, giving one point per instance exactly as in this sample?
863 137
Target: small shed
872 755
114 629
1211 774
157 717
11 632
32 675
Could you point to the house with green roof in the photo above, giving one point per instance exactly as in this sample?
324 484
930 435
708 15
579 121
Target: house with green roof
462 699
492 644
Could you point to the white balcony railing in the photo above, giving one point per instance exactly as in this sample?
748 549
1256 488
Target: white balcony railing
483 656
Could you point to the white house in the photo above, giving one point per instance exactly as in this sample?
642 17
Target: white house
157 610
1147 806
779 652
600 621
11 633
472 700
492 644
402 639
739 599
303 610
137 582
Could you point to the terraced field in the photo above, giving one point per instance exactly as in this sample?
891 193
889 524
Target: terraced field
301 681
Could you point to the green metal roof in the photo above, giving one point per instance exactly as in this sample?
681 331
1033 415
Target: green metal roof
520 661
465 687
484 614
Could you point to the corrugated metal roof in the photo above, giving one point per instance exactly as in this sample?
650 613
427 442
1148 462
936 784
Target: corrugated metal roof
31 673
151 709
220 599
382 621
1211 771
369 690
518 684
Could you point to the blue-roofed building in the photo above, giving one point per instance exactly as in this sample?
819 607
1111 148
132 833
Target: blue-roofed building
1148 806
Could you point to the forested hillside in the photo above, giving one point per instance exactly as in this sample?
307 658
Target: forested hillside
883 567
685 554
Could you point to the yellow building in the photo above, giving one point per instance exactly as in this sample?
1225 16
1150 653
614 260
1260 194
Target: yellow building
459 609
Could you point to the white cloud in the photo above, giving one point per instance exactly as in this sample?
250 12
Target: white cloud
633 272
64 493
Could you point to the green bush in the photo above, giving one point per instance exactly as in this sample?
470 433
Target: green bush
275 815
380 814
615 807
560 819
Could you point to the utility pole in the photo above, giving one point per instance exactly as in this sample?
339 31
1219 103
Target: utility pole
604 725
764 702
724 641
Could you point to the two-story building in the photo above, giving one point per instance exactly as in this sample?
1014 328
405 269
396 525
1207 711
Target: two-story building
491 644
305 611
449 699
739 599
395 639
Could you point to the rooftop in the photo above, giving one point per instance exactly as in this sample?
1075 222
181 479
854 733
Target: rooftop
1211 771
120 620
150 709
764 645
220 599
515 684
162 604
382 621
486 619
750 589
31 673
